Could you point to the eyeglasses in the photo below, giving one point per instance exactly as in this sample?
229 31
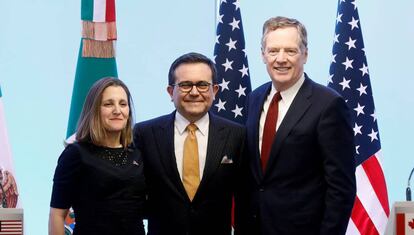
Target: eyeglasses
188 86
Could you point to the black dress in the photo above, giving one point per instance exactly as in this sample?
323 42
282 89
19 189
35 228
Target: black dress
105 187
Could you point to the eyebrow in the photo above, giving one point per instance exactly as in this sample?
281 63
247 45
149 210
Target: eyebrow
296 48
112 100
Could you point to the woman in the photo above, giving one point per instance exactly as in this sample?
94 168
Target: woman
101 175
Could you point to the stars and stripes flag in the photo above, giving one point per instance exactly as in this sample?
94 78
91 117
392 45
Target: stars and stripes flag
349 75
232 67
11 227
231 62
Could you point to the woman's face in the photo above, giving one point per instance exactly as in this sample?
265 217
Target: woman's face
114 109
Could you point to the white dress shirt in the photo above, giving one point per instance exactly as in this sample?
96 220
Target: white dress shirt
180 133
284 104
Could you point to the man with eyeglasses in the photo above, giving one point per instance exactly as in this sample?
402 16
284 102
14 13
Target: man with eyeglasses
301 174
191 157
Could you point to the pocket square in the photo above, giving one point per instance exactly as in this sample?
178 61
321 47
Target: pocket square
226 160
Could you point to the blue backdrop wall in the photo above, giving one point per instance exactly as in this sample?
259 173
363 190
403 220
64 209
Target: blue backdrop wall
39 42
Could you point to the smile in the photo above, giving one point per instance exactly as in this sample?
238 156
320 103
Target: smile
282 69
194 101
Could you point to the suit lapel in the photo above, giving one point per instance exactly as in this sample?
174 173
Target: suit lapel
295 112
254 114
164 137
216 139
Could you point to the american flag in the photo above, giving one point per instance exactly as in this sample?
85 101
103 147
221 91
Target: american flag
231 63
349 75
11 227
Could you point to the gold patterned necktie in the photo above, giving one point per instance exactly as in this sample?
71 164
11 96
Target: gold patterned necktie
191 170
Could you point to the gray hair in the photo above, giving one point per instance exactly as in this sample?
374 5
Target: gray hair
282 22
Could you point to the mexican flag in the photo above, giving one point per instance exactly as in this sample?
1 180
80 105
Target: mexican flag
96 59
88 71
8 187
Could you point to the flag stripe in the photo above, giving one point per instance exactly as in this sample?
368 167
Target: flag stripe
349 76
352 229
5 151
11 227
400 223
362 220
376 177
87 10
368 199
99 10
110 11
6 160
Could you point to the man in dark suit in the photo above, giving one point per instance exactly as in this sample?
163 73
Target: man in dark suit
195 201
301 176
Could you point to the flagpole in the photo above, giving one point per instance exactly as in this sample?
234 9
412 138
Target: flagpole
217 12
216 15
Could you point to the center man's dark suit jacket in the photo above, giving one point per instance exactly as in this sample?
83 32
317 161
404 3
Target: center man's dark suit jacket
170 211
309 184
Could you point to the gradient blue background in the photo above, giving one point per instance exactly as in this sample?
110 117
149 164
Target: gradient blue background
39 42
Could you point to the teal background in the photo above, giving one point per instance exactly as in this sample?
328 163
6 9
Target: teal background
39 44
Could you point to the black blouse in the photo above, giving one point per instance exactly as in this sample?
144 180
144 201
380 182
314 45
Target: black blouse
105 186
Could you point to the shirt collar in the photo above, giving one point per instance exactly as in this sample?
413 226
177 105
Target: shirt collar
289 94
181 123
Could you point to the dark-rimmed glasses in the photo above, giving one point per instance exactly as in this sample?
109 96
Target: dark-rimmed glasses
186 86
